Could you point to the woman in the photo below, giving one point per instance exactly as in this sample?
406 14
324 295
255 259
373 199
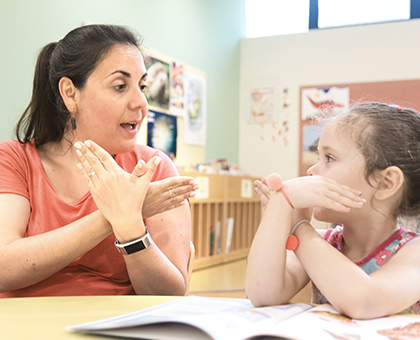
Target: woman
77 183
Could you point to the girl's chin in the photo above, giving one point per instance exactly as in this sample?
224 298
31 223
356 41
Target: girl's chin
326 215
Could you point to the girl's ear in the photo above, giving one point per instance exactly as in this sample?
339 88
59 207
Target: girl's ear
392 181
68 93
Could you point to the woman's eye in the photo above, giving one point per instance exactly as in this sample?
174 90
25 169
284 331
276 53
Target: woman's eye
120 87
143 88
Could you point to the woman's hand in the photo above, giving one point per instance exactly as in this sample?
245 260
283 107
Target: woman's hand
118 194
167 194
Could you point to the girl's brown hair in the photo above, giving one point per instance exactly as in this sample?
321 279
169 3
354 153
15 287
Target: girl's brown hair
387 135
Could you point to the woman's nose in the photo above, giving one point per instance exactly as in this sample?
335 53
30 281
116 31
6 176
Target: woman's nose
139 100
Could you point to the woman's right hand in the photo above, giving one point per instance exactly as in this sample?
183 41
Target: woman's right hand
166 194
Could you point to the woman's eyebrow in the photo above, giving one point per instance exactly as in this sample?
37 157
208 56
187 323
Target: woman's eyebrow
127 74
124 73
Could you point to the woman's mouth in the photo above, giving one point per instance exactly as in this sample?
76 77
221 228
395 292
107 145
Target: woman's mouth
129 126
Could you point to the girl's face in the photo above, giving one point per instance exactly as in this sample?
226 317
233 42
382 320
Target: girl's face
111 107
341 161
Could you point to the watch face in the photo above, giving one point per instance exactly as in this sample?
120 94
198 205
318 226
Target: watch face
134 248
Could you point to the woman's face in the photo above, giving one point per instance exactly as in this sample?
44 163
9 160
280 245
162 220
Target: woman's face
111 107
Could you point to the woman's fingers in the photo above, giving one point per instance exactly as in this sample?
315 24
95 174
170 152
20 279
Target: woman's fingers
140 169
94 160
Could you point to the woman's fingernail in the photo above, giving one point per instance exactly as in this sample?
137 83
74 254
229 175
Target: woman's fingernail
79 166
88 143
157 161
79 153
78 145
192 194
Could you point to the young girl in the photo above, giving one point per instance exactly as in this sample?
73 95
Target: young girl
368 174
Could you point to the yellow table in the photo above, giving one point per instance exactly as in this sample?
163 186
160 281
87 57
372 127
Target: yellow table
46 317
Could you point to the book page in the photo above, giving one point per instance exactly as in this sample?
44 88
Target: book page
215 318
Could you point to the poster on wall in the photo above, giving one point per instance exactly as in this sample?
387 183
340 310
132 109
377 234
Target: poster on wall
195 124
162 132
324 102
177 90
262 105
157 92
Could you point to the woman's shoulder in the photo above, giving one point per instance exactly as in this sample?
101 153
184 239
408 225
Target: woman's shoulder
14 148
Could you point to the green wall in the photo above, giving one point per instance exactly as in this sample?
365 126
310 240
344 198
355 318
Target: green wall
204 34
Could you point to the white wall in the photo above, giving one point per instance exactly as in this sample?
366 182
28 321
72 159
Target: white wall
369 53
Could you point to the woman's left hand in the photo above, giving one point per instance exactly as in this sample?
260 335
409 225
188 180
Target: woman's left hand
118 194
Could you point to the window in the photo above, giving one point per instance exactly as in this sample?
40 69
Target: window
275 17
333 13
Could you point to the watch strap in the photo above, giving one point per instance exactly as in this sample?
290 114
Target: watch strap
134 246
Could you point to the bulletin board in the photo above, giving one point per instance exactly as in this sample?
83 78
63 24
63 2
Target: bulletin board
177 102
405 93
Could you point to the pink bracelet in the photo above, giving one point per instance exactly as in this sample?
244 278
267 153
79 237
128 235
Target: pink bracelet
274 182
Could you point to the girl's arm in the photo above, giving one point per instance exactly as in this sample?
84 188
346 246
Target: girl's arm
390 289
275 275
25 261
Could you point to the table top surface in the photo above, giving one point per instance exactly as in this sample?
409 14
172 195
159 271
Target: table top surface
46 317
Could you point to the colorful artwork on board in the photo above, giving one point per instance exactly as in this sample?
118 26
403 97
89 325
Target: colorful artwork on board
157 92
177 90
162 132
262 105
195 124
318 103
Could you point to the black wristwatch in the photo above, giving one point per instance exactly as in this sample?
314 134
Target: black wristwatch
134 246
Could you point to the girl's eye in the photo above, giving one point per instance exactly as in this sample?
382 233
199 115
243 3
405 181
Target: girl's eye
329 158
120 87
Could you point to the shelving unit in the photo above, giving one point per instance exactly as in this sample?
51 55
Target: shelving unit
223 198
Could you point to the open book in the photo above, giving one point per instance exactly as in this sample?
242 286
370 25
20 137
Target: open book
202 318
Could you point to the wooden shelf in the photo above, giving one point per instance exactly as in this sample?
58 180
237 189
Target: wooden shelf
220 198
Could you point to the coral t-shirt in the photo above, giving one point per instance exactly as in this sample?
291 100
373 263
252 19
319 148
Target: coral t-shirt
102 270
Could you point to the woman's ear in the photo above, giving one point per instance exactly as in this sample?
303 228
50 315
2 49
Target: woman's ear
68 93
392 181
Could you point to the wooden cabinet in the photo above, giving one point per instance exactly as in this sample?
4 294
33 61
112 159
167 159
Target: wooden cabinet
225 215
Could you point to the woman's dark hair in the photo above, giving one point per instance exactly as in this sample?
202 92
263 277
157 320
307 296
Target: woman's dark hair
46 119
388 135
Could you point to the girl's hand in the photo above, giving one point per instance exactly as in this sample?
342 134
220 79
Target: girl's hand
262 191
118 194
318 191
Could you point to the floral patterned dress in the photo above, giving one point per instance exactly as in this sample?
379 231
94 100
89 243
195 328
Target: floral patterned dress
375 260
